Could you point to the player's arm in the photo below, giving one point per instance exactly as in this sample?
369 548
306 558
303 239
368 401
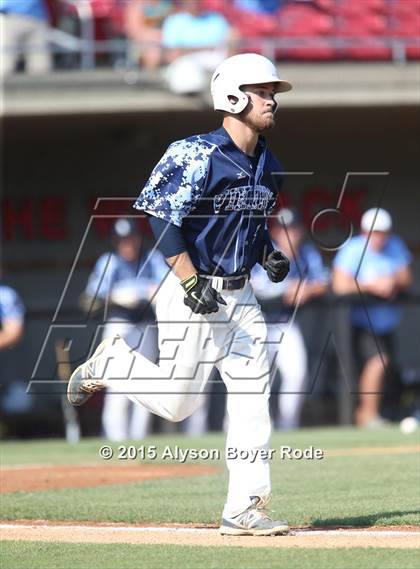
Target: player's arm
11 333
171 244
200 296
403 278
182 265
345 283
172 192
267 247
316 277
99 283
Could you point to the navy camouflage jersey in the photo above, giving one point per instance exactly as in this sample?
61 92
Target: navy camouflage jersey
218 196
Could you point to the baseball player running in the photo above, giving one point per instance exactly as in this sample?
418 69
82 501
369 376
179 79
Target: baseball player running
207 200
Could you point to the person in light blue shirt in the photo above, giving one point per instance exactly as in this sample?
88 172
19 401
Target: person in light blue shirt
12 313
307 279
30 8
123 283
24 32
14 398
260 6
195 41
192 28
375 263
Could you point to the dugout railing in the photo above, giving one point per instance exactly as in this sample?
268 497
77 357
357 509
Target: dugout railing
82 52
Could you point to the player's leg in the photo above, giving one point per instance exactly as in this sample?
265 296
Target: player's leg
245 371
143 337
37 48
186 356
196 424
291 361
170 389
115 416
375 352
116 407
10 42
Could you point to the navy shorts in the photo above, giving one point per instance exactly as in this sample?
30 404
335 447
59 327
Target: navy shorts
367 345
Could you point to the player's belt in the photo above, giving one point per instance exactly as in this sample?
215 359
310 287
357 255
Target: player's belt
227 283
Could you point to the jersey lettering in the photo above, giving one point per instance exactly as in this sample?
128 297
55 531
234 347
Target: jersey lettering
244 198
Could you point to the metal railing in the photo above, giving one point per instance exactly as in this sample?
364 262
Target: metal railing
87 49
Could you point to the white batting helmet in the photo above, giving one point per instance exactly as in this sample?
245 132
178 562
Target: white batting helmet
238 70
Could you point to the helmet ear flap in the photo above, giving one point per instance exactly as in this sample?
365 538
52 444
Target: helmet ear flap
239 104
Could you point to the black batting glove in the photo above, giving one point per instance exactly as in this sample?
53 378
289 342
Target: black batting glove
200 296
277 266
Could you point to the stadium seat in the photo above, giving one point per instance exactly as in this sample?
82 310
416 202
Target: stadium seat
369 22
408 29
366 30
248 23
302 20
366 25
327 6
404 9
353 8
317 49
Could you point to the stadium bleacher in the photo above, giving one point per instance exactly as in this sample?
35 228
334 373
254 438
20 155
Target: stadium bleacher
300 30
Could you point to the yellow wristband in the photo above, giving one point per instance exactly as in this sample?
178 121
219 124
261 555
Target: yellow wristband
190 282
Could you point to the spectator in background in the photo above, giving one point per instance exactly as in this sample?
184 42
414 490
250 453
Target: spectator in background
12 314
143 23
261 6
307 280
376 263
24 32
124 282
195 42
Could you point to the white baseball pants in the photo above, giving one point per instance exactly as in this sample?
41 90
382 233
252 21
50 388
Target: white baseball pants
121 419
233 339
287 347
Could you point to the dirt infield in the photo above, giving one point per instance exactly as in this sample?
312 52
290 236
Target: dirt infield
33 478
38 531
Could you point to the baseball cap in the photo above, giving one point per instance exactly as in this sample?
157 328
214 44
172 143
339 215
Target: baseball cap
376 219
124 227
288 216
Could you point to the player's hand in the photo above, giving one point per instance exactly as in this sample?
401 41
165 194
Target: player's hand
277 266
91 304
383 287
200 296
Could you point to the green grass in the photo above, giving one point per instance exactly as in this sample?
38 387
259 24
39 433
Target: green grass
35 555
361 490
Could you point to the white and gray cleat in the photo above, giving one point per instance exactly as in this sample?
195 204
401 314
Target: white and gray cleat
85 380
254 521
